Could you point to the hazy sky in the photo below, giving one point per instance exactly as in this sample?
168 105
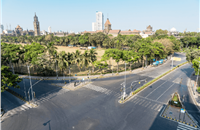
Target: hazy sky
78 15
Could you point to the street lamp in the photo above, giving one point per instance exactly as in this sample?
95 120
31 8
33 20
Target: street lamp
30 84
24 89
124 93
198 75
56 67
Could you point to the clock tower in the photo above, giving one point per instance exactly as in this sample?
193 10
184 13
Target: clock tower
36 26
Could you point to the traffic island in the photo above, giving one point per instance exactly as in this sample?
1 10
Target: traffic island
175 111
71 86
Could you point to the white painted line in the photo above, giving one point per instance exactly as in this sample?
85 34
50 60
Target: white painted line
157 107
165 92
160 108
141 102
147 104
154 106
156 88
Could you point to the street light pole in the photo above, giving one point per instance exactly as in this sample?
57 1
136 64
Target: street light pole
124 94
197 75
30 83
56 67
24 89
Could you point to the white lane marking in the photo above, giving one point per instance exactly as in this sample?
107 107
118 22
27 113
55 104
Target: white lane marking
164 92
160 108
156 88
154 106
147 104
182 126
157 107
141 102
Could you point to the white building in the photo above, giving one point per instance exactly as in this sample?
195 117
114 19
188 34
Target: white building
8 31
94 25
49 29
43 32
2 28
99 24
173 31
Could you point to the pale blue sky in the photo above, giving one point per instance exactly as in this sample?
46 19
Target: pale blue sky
78 15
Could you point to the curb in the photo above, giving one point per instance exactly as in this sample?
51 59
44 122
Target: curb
190 92
176 120
150 83
20 97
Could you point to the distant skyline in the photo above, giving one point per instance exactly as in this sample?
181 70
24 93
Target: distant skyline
77 15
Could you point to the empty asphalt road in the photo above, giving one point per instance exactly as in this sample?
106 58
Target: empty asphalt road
95 106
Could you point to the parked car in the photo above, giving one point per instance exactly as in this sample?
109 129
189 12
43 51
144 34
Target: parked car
91 47
161 61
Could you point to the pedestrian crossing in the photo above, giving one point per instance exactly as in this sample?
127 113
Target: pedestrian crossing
49 95
16 110
182 126
98 89
147 104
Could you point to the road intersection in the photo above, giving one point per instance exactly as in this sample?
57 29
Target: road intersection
95 106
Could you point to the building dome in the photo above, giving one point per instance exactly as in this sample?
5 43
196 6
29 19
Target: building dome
18 27
173 29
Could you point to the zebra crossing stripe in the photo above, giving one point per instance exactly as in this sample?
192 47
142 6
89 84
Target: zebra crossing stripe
157 107
147 104
153 106
160 108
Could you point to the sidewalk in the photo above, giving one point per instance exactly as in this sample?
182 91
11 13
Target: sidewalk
192 89
135 71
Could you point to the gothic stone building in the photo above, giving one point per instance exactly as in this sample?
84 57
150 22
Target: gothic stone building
36 26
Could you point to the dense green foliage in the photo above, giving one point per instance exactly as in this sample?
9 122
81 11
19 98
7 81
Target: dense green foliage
8 79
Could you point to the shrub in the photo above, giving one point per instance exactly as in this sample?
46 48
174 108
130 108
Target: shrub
198 89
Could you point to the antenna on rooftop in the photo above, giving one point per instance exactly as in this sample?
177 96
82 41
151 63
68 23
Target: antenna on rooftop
10 26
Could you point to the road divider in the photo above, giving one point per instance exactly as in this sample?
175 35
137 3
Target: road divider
149 83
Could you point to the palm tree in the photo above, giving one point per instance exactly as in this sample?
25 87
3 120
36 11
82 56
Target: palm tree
93 57
77 59
62 61
86 60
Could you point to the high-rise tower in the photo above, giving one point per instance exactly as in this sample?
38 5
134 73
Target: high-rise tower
36 26
98 25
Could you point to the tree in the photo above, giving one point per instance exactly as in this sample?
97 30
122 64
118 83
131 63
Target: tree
93 57
161 32
192 54
77 59
130 57
84 39
8 79
196 63
117 55
86 59
101 65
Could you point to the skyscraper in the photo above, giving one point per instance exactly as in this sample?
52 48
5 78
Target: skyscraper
2 28
36 26
49 29
99 24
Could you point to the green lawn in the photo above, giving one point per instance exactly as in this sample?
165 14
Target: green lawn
175 98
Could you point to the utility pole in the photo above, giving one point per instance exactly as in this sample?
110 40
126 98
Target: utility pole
124 93
172 64
56 67
197 75
24 89
30 84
